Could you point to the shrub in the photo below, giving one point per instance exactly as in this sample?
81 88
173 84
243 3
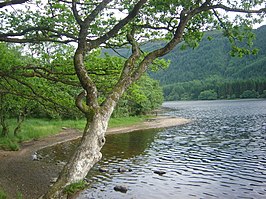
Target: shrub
263 95
207 95
249 94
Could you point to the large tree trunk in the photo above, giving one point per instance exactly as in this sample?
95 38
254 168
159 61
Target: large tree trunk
87 154
5 129
3 122
20 120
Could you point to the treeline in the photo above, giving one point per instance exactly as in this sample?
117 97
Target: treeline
216 88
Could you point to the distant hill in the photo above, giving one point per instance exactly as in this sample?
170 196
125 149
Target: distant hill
213 58
192 71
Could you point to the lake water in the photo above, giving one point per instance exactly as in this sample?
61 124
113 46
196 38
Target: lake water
220 154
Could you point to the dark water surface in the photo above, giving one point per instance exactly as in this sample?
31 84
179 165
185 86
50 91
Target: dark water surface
220 154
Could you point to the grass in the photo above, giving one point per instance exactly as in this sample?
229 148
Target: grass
2 194
75 187
39 128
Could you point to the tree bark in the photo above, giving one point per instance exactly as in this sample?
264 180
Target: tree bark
20 120
3 123
87 154
5 129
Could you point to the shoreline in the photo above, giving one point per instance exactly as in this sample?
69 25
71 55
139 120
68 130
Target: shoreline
159 122
21 175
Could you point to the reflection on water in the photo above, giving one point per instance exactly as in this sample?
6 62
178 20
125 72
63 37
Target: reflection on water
221 154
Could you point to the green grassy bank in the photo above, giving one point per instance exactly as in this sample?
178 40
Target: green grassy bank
39 128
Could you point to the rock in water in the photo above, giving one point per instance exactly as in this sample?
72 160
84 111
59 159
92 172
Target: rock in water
103 170
121 169
120 188
160 172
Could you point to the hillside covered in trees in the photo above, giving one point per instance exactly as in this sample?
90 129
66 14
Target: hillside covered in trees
210 71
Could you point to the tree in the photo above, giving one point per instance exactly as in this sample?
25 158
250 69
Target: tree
107 23
22 93
207 95
263 95
249 94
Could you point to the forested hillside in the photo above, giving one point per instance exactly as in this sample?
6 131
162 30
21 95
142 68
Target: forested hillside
209 71
211 68
212 57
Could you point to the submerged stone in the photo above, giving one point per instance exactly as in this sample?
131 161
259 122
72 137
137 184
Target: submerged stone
121 169
103 170
120 188
160 172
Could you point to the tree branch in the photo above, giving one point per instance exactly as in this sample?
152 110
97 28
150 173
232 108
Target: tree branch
226 8
42 29
81 106
95 12
11 36
134 12
164 50
35 94
125 77
12 2
75 12
34 40
154 27
136 52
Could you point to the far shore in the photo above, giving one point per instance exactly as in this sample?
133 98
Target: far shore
20 174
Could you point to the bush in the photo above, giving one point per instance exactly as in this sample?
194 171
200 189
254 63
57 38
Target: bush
263 95
8 145
207 95
249 94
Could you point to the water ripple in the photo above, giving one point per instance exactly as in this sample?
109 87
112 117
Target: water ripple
221 154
